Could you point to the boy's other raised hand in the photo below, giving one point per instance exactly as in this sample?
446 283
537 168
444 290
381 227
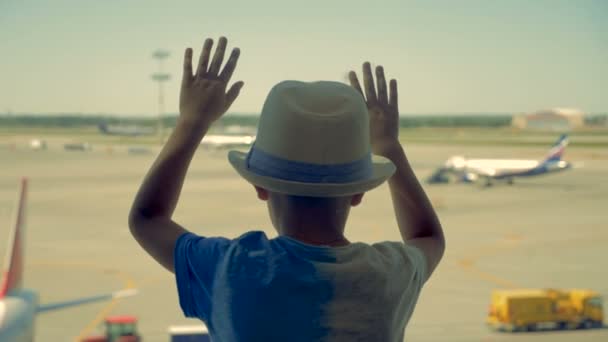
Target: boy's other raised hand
382 107
203 96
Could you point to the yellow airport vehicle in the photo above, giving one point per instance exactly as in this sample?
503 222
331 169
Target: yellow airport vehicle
539 309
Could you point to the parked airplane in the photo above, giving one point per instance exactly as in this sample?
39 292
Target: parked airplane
227 141
129 130
38 144
491 170
18 306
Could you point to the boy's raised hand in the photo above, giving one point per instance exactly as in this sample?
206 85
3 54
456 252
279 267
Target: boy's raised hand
382 107
203 96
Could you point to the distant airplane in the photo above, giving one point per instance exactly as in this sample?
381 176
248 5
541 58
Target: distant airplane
38 144
19 306
77 146
219 141
122 130
491 170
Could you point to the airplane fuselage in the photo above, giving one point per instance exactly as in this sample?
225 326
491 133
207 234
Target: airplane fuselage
497 167
508 169
515 167
501 165
227 141
129 131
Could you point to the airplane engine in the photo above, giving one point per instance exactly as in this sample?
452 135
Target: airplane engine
17 317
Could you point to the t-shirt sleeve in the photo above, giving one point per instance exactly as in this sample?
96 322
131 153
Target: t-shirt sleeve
406 257
196 260
419 263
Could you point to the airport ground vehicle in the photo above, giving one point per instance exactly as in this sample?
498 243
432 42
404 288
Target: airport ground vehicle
77 146
530 309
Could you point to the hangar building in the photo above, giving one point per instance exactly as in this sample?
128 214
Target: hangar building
556 119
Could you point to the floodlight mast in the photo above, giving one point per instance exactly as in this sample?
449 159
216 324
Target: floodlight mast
161 77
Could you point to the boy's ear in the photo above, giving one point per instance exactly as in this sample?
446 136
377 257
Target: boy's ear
262 193
356 199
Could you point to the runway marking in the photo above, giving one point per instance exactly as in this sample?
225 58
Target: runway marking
488 276
129 283
509 241
97 320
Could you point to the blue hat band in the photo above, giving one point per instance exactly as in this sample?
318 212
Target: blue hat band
267 165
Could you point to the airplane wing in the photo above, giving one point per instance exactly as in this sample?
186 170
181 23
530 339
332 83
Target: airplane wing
86 300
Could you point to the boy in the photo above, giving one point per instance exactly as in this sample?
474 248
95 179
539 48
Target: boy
311 162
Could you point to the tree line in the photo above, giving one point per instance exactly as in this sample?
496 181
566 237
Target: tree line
80 121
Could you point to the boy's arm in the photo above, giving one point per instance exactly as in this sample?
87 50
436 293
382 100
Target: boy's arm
203 99
417 220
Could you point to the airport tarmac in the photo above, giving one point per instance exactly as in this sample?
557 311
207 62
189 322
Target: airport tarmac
550 231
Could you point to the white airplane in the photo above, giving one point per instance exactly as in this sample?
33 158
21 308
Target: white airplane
490 170
19 306
38 144
219 141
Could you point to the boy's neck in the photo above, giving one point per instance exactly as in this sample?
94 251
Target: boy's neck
310 220
314 228
335 240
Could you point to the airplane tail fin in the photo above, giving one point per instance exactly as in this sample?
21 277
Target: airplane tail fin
557 150
12 272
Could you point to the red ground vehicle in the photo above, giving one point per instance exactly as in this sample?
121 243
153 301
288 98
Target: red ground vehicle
118 329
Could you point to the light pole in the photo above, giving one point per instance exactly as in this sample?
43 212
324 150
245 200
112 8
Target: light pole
161 77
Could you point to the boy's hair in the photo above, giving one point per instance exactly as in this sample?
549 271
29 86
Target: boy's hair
314 202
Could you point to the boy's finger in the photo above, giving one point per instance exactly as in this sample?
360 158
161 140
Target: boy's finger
218 57
354 82
368 83
233 92
187 76
393 100
203 60
230 65
382 95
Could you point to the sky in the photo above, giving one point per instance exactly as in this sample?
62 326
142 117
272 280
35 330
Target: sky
473 56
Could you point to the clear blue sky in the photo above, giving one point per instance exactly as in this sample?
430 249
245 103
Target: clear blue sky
449 56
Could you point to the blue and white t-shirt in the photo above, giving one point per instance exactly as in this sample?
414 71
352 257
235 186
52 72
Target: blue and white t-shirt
257 289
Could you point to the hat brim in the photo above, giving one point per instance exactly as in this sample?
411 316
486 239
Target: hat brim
382 168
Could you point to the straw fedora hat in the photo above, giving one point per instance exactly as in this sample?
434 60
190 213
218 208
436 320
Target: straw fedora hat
313 140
